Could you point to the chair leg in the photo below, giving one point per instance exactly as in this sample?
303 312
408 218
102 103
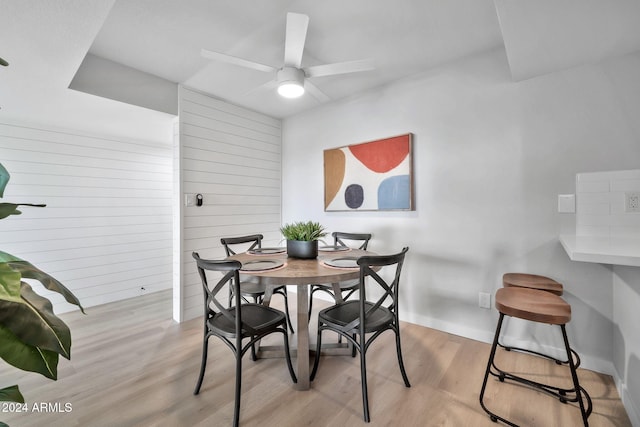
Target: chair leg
203 363
400 361
254 354
353 348
288 356
236 409
311 291
286 309
363 379
316 361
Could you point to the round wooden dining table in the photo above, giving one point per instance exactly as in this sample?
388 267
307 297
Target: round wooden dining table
302 273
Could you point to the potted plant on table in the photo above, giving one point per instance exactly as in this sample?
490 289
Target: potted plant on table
302 238
31 335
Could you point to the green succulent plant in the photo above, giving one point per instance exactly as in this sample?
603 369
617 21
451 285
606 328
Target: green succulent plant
305 231
32 337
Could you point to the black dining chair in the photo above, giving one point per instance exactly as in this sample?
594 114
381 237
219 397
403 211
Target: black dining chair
355 319
249 287
242 321
349 287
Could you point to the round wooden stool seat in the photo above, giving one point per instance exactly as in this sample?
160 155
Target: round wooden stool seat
534 305
531 281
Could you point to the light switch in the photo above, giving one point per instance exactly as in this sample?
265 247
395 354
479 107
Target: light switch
566 203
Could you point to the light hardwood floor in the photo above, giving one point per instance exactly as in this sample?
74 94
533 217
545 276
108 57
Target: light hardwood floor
133 366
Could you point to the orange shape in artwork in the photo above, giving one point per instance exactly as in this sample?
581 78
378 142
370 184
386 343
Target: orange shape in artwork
334 169
382 155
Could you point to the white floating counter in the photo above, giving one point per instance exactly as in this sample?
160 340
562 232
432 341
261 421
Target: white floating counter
602 250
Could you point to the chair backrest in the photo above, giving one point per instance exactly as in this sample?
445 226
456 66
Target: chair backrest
230 277
231 244
368 266
346 239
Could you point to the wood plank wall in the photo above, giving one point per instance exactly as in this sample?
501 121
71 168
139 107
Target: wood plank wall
232 156
106 231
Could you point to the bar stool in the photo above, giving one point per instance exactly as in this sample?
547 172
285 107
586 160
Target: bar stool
542 307
532 281
541 283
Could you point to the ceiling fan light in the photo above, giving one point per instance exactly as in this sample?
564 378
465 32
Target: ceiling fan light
290 82
290 89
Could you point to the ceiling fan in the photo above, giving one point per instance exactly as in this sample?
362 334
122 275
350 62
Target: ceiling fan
292 79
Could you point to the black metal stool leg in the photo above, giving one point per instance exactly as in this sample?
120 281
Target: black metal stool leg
574 354
576 383
561 393
494 346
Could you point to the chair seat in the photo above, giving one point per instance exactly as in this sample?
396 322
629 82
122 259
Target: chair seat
345 313
258 316
534 305
532 281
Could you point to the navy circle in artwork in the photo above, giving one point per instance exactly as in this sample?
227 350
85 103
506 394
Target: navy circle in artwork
354 196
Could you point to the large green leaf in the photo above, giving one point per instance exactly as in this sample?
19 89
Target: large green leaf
11 394
32 320
29 271
7 209
4 179
27 357
9 282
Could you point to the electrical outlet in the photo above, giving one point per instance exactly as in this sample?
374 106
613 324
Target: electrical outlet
484 300
189 199
632 202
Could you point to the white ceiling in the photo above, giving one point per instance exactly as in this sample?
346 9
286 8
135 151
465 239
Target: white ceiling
45 42
164 37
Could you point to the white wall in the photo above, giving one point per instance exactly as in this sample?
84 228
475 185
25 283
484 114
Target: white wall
106 230
490 158
626 348
232 156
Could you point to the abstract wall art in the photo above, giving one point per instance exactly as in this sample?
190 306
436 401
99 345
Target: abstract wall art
370 176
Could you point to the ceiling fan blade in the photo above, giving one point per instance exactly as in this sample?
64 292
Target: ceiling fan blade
271 84
339 68
209 54
315 92
295 38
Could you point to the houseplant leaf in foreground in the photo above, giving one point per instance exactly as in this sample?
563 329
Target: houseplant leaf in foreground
4 179
31 335
27 357
7 209
29 271
32 320
9 283
10 394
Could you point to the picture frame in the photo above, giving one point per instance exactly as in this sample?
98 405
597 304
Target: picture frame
370 176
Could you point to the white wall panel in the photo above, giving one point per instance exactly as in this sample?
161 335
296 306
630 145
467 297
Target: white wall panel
232 157
106 231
